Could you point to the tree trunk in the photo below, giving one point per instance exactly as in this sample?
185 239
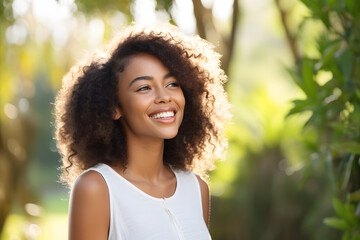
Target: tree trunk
205 24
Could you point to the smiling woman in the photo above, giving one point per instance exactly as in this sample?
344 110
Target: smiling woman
133 128
150 99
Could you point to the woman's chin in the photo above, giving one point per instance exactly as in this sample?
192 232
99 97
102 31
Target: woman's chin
170 135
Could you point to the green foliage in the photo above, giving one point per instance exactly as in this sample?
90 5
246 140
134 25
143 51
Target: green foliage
90 6
335 105
124 6
164 4
345 220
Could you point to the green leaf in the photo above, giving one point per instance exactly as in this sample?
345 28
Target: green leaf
296 78
308 171
311 120
309 82
345 212
299 106
330 171
331 3
346 64
164 4
349 215
329 53
351 5
347 173
338 127
349 147
339 208
314 5
341 166
356 237
346 236
355 196
337 223
318 10
355 115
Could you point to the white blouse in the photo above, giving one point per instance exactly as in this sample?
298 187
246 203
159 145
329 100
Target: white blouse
135 215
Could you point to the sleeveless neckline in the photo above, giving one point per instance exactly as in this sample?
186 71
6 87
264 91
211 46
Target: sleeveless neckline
136 215
141 191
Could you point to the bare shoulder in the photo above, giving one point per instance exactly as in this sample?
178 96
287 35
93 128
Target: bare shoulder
205 198
90 188
203 184
89 211
90 182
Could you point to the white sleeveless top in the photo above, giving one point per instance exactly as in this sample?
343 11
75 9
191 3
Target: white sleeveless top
135 215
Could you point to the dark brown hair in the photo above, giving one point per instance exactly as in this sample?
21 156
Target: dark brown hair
86 132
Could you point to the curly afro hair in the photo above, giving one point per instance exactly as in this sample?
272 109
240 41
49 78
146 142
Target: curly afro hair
86 132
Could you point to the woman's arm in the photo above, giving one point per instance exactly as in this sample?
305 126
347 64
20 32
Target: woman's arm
205 198
89 211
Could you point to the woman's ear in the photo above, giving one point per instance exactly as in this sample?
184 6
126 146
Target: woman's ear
117 114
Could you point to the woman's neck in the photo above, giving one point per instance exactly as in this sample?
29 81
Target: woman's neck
145 157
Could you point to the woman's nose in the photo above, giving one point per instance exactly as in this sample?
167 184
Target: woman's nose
162 96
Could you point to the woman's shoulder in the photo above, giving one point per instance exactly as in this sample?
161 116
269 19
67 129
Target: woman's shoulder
203 183
89 190
90 182
89 207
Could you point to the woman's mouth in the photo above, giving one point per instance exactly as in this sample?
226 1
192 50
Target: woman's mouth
163 115
167 116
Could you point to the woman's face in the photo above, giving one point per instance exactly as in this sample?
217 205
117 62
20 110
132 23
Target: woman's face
152 102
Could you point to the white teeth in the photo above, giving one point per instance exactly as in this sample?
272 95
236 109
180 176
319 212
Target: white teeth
163 115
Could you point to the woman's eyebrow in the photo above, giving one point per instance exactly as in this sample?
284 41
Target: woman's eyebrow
147 78
140 78
168 75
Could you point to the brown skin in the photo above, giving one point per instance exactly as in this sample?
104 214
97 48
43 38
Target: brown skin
140 98
145 137
205 198
87 218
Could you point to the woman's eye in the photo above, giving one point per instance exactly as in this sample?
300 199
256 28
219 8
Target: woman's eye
143 89
173 84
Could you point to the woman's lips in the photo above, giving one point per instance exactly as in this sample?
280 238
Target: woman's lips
164 117
165 114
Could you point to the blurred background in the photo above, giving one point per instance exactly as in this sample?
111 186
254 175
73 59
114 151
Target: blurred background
292 169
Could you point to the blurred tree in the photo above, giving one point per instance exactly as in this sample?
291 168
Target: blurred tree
14 141
206 27
330 80
264 200
269 205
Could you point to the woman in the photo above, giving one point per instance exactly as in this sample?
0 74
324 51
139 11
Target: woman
133 125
